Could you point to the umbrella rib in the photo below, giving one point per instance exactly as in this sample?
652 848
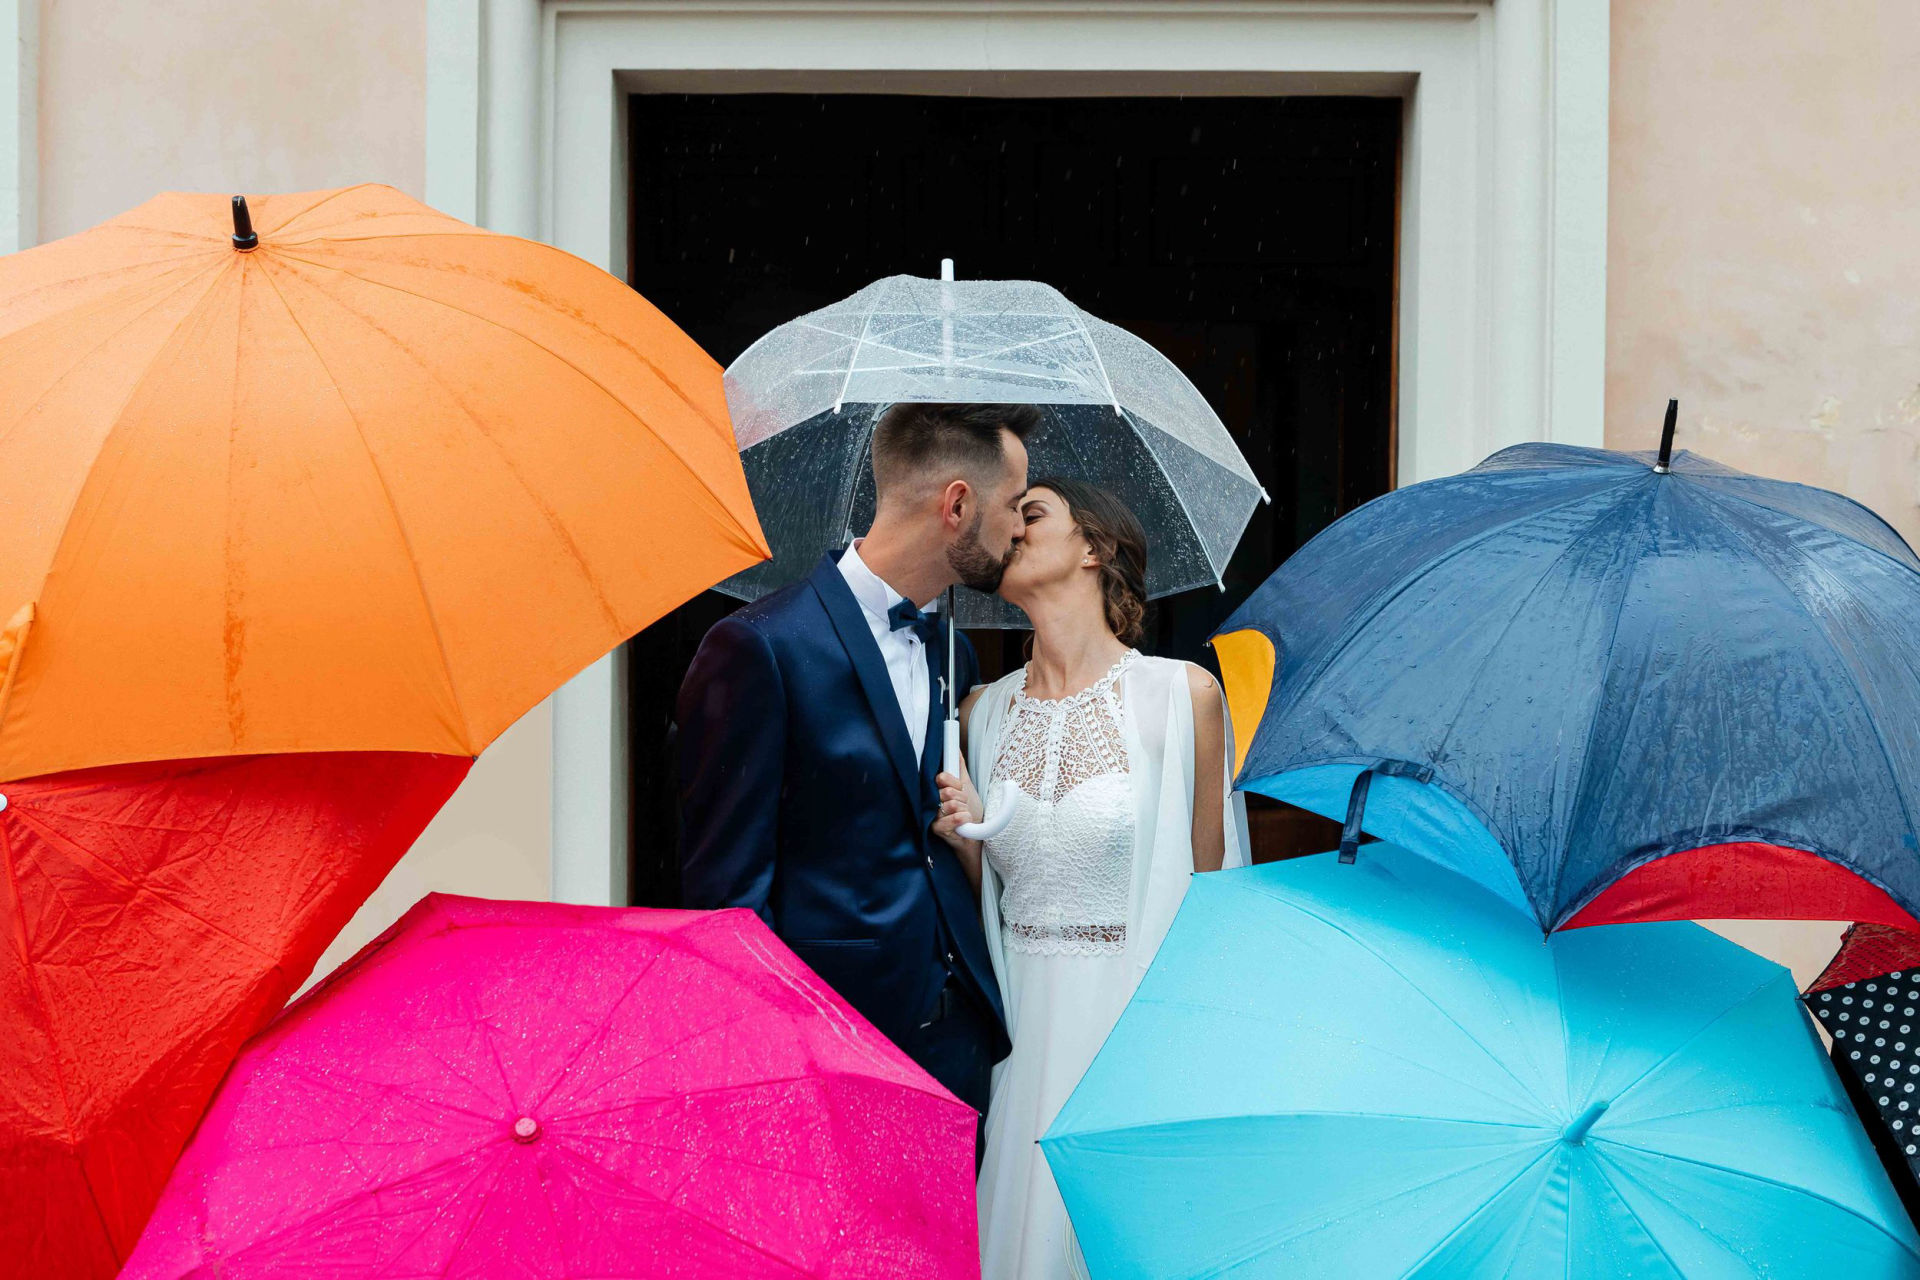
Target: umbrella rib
598 1136
1368 947
1772 982
1473 1217
1815 566
1274 1241
632 1067
1745 1176
325 199
586 1041
466 1232
679 1209
105 300
1573 545
704 496
331 1207
212 274
1132 421
709 1090
399 1090
1365 614
1081 322
1719 488
1600 1167
853 358
1182 1122
393 510
74 850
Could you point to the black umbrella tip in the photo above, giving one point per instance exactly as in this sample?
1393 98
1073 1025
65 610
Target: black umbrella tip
243 236
1666 438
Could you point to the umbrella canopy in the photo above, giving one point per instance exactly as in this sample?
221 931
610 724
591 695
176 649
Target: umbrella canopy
1119 414
156 915
1610 689
1872 1023
1382 1070
536 1089
374 483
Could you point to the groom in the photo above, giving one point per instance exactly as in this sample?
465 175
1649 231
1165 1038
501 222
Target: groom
810 736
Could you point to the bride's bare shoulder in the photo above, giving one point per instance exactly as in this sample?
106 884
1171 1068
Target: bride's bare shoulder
1199 679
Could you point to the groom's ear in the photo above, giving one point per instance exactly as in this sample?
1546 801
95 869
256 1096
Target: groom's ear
956 504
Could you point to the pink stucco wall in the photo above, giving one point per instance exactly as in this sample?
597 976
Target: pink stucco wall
1764 238
225 95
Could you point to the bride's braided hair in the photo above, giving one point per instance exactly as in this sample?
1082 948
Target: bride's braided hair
1120 543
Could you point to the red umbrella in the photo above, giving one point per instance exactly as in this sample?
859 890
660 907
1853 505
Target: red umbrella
157 915
544 1090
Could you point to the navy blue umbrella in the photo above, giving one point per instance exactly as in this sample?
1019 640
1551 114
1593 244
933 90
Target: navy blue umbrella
1609 686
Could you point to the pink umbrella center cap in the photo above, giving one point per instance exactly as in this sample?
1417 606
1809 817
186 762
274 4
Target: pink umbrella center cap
526 1129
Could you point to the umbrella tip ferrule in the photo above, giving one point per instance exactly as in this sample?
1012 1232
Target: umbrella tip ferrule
1575 1134
1665 464
526 1129
244 238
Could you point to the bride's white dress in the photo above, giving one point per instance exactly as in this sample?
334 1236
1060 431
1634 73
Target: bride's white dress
1077 893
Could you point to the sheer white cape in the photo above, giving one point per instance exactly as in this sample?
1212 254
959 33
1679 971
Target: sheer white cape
1156 707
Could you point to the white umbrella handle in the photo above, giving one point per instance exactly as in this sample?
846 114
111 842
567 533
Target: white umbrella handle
1000 812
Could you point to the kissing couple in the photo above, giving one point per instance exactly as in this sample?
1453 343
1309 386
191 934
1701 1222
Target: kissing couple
811 791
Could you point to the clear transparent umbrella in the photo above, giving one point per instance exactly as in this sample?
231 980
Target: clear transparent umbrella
1118 414
804 400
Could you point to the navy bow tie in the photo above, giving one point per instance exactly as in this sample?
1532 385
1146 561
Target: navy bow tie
925 625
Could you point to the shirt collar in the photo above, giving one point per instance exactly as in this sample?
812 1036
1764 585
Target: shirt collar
869 588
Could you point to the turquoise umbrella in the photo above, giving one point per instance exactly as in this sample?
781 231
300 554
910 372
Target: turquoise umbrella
1381 1070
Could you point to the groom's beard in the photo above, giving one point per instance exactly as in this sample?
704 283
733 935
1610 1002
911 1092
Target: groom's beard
973 564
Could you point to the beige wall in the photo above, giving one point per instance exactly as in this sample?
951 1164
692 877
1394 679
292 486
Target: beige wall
1763 255
279 95
1764 238
225 95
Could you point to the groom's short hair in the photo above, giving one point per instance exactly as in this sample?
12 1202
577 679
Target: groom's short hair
916 442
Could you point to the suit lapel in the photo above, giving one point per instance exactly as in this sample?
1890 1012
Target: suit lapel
850 622
931 762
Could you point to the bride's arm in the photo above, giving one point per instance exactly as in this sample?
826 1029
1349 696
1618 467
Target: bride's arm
959 803
1209 770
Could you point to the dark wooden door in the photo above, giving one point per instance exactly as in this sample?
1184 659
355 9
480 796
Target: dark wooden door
1251 239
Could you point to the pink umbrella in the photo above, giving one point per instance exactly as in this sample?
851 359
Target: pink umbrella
534 1089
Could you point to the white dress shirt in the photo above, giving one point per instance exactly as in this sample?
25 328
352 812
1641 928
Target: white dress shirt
902 650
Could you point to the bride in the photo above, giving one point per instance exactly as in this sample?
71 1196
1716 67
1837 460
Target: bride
1121 766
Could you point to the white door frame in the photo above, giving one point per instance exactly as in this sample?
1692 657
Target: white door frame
1502 304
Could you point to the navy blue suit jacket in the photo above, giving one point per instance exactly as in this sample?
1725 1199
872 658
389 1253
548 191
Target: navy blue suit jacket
801 799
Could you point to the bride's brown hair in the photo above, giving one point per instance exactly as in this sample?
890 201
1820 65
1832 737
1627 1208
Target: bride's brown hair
1119 542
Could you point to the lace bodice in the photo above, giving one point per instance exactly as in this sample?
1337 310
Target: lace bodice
1066 858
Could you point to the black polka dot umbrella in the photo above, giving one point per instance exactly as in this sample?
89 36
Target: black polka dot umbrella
1875 1025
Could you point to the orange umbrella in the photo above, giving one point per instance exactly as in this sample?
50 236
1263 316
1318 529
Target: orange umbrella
378 480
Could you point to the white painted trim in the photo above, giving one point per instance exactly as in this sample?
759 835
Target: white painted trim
1503 244
454 86
19 124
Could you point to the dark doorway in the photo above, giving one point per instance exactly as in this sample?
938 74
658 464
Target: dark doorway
1250 239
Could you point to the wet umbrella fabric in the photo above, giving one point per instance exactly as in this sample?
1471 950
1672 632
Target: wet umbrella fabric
1607 692
155 916
1118 414
544 1090
375 482
1382 1070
